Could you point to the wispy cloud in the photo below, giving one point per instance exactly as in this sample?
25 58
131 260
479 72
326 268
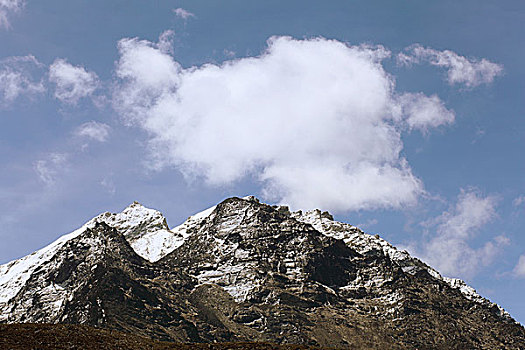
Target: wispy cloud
425 112
6 8
470 72
17 78
109 185
449 249
72 82
94 130
48 169
182 13
229 53
518 201
368 224
519 269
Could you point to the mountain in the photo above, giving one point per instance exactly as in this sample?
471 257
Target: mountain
247 271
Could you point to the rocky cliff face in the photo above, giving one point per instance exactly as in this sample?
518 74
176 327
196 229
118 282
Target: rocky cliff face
244 270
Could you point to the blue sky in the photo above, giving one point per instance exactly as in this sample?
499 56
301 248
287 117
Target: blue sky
406 118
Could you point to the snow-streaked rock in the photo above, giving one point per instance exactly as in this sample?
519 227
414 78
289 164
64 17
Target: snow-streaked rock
244 270
149 235
364 243
471 294
145 229
14 274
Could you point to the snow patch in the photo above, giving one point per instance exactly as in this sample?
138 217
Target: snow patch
232 278
153 246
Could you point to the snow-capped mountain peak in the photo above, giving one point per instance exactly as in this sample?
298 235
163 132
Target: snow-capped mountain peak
135 220
245 269
145 229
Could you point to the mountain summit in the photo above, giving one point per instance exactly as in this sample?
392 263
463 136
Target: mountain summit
244 270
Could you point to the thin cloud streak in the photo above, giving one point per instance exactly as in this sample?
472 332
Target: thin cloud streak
519 269
17 78
8 7
94 130
470 72
48 169
449 248
182 13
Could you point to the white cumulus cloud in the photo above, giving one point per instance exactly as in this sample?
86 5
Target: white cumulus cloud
72 82
94 130
7 7
449 249
317 122
17 78
460 70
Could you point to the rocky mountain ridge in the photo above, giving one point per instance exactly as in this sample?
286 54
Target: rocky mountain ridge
244 270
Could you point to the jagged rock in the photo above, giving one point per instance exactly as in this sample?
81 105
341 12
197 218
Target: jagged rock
244 270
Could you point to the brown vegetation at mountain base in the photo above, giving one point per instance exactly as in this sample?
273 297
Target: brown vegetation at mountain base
64 336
